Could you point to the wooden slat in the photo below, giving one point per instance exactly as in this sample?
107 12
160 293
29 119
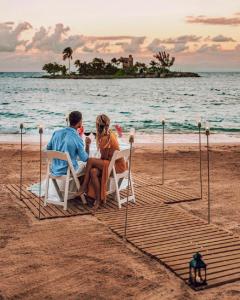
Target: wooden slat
169 234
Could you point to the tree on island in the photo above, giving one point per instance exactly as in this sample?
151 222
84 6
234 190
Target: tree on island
54 68
115 61
153 66
98 65
116 68
140 67
164 59
67 54
77 64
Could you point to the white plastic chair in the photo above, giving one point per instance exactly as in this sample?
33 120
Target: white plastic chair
116 179
70 176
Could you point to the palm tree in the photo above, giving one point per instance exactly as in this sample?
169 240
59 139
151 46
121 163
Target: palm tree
67 53
78 64
153 66
98 65
115 61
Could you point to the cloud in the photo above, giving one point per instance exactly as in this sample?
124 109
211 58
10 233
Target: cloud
183 39
214 20
56 41
47 43
87 49
133 46
10 36
222 39
180 48
179 43
156 46
109 38
205 48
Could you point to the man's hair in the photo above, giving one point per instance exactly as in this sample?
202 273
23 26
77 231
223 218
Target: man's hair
75 117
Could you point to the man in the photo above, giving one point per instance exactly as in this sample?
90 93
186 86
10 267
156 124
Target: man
68 140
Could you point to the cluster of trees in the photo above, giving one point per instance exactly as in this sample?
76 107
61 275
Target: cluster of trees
99 67
55 69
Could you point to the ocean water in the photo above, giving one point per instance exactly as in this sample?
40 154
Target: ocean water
139 103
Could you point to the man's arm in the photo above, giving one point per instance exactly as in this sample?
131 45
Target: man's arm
83 155
50 145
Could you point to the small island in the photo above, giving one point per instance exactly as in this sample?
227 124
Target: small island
123 67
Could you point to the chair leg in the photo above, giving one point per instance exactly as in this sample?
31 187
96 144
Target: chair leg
66 192
132 188
46 190
118 197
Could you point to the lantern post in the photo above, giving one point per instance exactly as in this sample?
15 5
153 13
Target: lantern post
131 141
40 130
199 124
21 160
207 131
67 119
163 149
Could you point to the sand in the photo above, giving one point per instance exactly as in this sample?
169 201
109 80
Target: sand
80 258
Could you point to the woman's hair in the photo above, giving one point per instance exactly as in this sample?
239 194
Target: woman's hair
102 124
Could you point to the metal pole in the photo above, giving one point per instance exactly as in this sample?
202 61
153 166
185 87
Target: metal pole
163 149
21 163
200 156
208 164
40 175
67 119
131 141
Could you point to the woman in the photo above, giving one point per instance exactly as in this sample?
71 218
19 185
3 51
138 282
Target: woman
96 175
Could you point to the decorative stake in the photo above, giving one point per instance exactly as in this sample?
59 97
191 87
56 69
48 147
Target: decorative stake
163 149
131 141
199 124
208 164
21 163
67 119
40 170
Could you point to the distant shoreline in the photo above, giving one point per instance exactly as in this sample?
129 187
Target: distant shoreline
141 76
140 138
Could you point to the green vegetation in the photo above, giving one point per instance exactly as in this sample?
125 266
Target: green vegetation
67 54
54 69
117 68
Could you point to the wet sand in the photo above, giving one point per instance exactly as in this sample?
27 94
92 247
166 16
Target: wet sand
80 258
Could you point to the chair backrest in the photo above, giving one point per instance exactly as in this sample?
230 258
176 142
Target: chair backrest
51 154
117 155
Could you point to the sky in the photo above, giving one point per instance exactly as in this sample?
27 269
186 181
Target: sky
202 35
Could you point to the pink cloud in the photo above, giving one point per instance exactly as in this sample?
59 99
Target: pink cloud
10 36
214 20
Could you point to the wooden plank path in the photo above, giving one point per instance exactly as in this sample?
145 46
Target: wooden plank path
154 186
166 233
172 236
144 186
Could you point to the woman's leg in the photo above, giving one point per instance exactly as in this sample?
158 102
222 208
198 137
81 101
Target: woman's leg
92 163
95 179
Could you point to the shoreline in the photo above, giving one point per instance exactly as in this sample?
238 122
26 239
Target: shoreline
135 76
140 138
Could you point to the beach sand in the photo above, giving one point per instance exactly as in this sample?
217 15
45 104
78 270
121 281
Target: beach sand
80 258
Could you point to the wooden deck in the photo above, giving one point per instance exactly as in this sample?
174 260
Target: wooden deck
165 232
172 236
148 191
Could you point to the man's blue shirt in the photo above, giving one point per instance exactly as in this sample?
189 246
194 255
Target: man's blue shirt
67 140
